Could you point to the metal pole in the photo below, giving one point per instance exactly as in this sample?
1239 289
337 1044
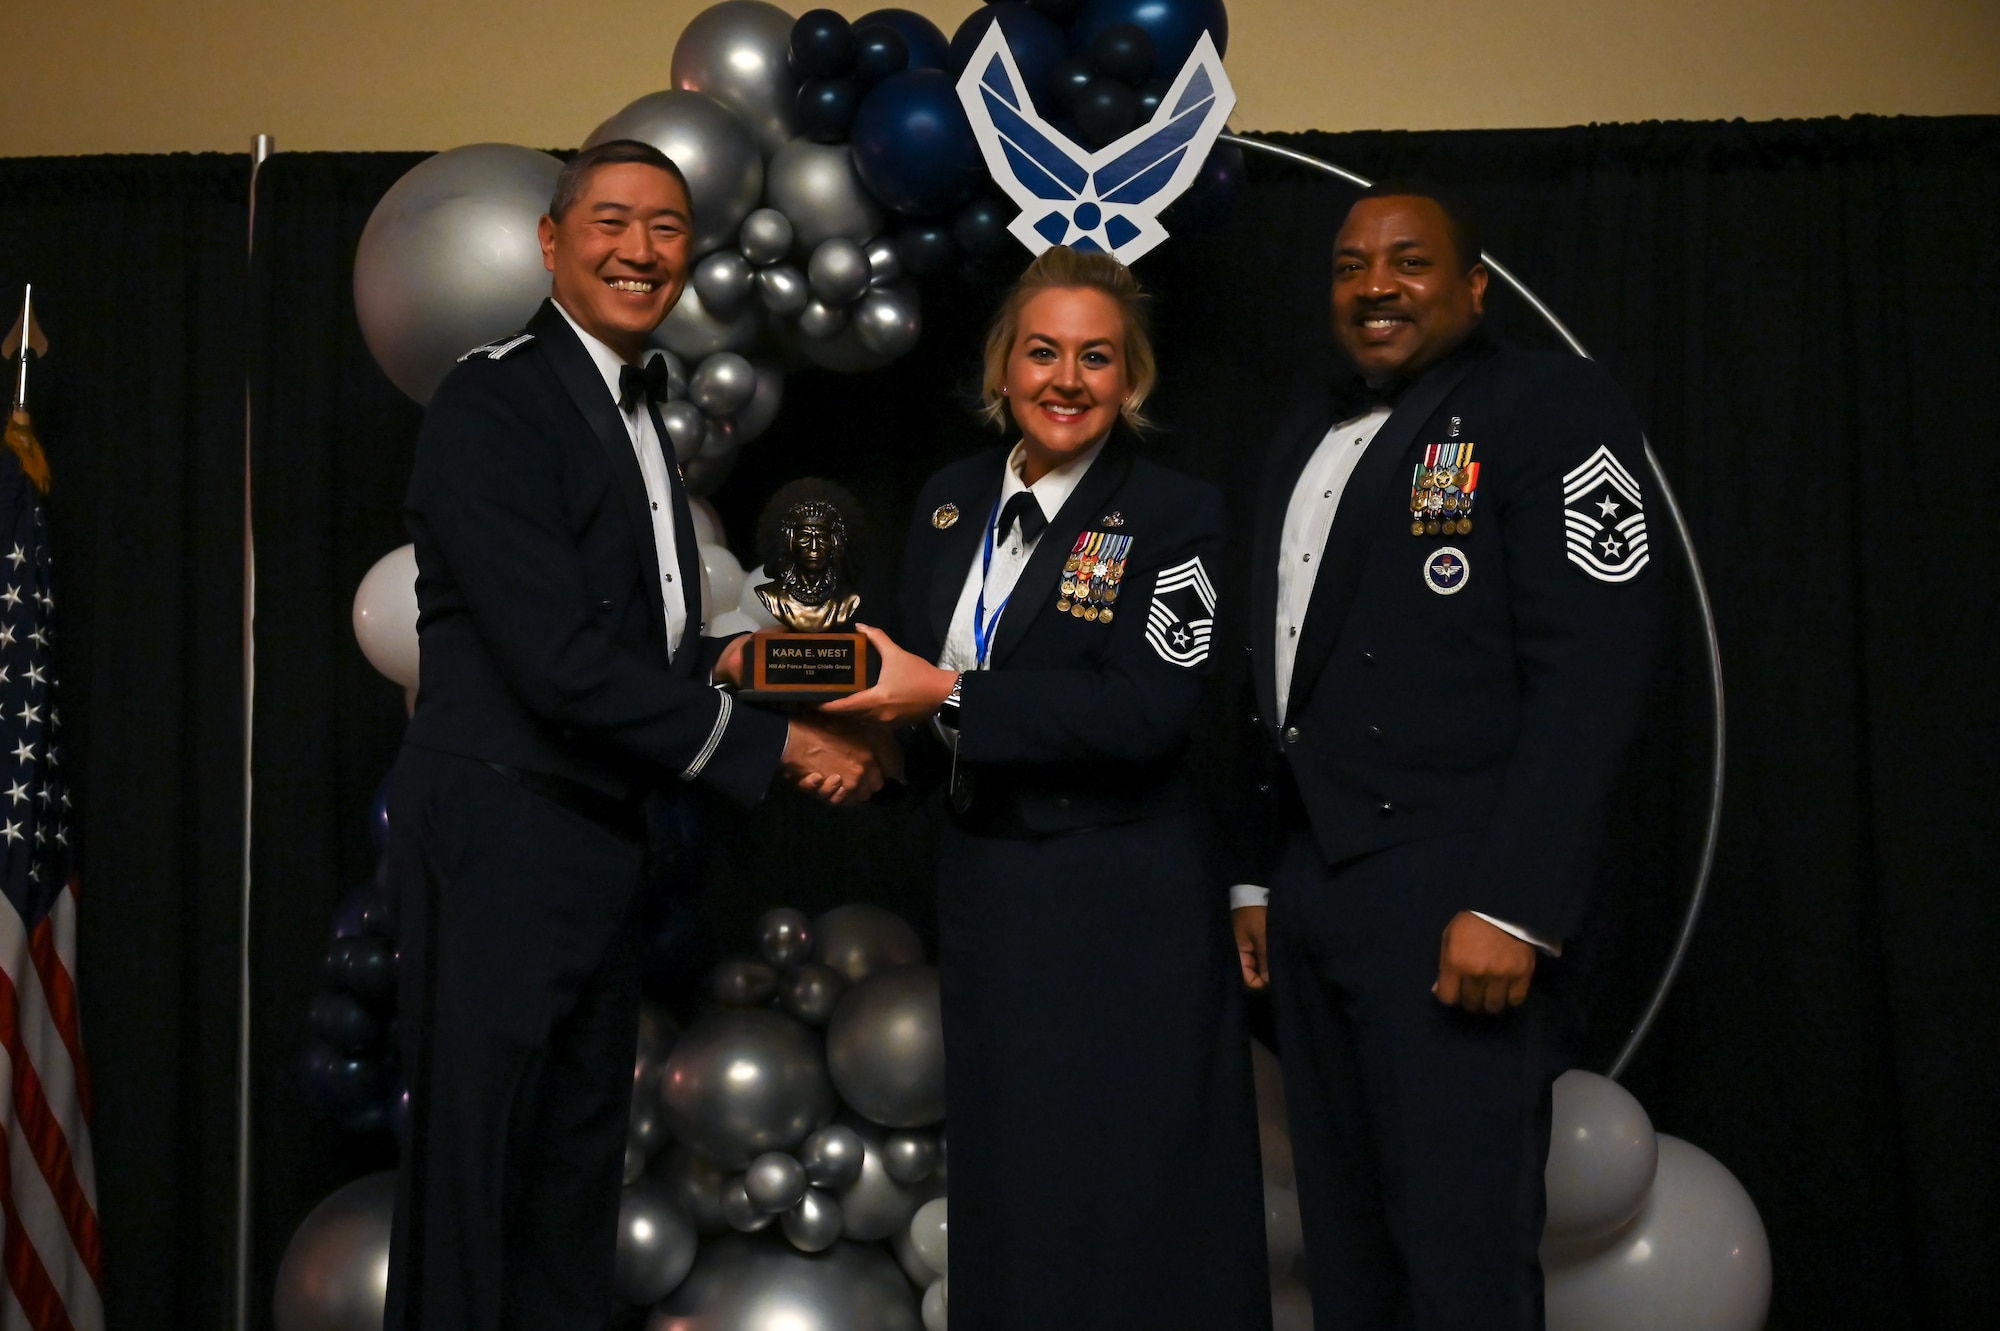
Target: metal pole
261 147
1706 866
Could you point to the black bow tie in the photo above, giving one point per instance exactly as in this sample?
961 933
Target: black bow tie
638 383
1025 508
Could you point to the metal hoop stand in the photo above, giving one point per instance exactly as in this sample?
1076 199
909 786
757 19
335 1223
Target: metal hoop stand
1706 865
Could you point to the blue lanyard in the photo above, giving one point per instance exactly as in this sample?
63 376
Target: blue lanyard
982 626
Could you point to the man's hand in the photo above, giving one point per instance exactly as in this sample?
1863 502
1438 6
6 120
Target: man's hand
838 763
729 666
909 689
1248 921
1482 968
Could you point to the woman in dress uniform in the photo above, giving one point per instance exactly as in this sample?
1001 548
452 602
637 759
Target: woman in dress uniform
1104 1168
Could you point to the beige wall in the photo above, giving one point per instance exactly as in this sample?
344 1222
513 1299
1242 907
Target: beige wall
92 76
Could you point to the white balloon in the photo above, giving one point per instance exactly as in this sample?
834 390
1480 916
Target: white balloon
1602 1155
707 523
385 615
936 1301
722 577
748 602
731 622
1696 1256
930 1234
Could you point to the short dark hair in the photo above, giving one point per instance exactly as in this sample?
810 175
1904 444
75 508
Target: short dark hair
1459 218
611 152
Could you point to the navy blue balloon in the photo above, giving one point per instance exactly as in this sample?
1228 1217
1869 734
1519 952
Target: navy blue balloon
378 816
1105 109
879 51
1062 11
826 108
927 248
1210 196
348 1088
1067 81
1151 93
1036 41
342 1021
981 228
364 965
1174 25
366 910
925 40
913 146
1124 51
822 44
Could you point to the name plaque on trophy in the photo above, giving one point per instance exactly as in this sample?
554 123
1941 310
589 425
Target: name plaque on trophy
813 657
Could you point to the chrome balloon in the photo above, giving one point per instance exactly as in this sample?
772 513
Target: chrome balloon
743 1284
685 428
766 236
885 1048
875 1206
648 1122
929 1234
450 259
810 992
782 288
713 149
724 280
859 938
832 1157
738 52
889 320
335 1272
656 1244
741 982
784 936
693 332
816 187
704 476
885 262
743 1215
743 1081
838 271
813 1225
696 1186
906 1257
910 1157
635 1163
774 1182
757 415
718 441
722 385
820 321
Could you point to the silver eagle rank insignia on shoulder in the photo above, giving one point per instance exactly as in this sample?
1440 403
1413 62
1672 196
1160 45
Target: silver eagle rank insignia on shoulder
1603 519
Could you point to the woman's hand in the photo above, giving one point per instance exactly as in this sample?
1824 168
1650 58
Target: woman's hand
909 689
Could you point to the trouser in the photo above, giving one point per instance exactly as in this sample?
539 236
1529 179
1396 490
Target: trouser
1419 1132
518 992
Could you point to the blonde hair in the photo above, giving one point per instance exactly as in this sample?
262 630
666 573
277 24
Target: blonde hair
1061 267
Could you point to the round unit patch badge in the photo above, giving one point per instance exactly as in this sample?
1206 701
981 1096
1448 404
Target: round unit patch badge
1445 570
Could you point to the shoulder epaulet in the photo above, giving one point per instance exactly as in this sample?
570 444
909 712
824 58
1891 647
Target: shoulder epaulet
498 350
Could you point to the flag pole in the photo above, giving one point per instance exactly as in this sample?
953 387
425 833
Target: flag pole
261 147
27 337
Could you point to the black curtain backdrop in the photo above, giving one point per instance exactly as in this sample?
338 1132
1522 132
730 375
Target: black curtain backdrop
1804 313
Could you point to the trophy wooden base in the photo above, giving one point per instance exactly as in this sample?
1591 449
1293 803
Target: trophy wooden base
808 668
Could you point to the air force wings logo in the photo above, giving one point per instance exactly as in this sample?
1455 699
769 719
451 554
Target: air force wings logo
1182 615
1603 519
1107 200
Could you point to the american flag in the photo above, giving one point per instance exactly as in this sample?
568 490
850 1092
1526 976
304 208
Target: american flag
49 1242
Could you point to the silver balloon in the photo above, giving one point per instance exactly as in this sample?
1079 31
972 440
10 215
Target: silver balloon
741 982
723 384
843 353
696 1186
814 1224
930 1234
647 1128
738 52
635 1163
832 1157
820 321
743 1081
713 149
889 320
810 992
910 1157
743 1215
742 1284
838 271
685 428
1602 1154
774 1182
694 333
859 938
335 1272
766 236
704 476
450 259
656 1244
906 1257
885 1048
783 289
724 280
885 262
719 440
816 187
784 936
875 1206
1696 1255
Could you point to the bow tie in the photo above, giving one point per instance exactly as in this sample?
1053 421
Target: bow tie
638 383
1025 508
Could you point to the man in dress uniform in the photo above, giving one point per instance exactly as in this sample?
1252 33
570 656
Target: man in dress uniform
1452 630
564 680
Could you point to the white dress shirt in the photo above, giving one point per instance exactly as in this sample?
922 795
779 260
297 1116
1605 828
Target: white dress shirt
646 445
1301 550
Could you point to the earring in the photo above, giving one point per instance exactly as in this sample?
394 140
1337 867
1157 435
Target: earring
1003 390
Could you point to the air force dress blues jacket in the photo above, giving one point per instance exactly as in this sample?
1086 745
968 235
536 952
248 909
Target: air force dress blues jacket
1103 1134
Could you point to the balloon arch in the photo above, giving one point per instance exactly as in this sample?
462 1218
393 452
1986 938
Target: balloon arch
832 168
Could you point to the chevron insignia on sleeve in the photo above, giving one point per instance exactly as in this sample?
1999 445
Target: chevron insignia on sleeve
1182 615
1603 519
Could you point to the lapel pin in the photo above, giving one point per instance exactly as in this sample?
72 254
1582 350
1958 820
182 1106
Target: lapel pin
944 515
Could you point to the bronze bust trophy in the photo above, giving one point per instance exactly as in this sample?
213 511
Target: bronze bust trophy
806 536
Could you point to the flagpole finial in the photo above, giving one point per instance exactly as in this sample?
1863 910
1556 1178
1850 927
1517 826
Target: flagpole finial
23 340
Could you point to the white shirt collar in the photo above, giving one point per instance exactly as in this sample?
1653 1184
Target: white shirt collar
608 362
1053 490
